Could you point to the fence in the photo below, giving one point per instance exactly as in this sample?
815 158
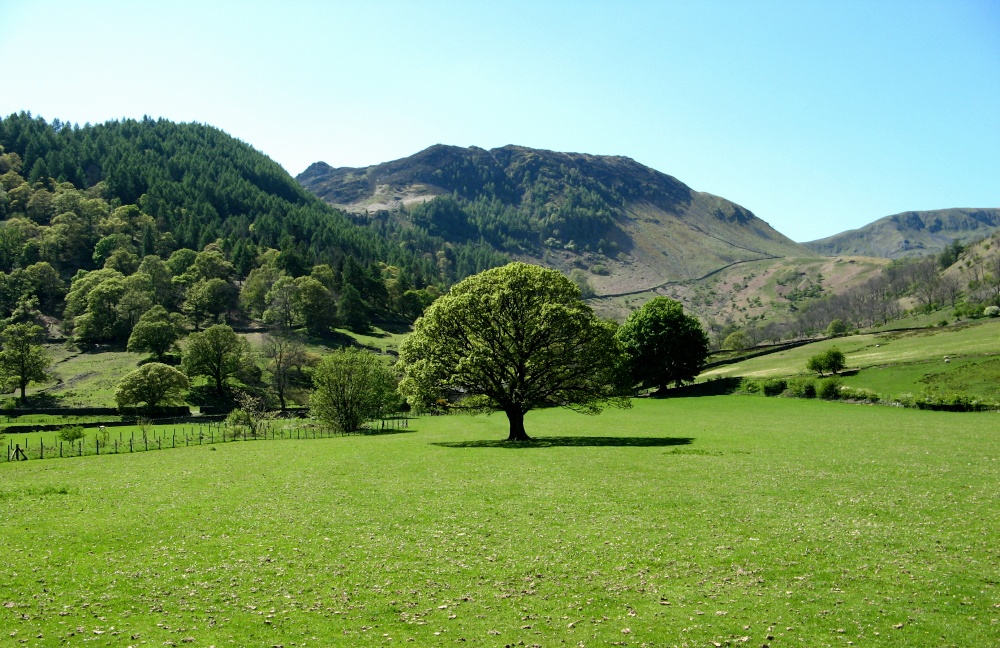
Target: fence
163 437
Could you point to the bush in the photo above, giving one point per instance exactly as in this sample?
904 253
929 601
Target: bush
859 394
774 386
802 388
750 386
829 389
71 433
991 311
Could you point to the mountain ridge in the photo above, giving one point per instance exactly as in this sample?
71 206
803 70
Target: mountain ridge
639 227
911 233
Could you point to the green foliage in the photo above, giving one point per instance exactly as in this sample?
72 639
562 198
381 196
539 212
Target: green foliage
71 433
736 341
829 388
352 388
218 353
832 360
512 339
156 332
802 388
22 358
579 279
837 328
991 311
150 386
663 345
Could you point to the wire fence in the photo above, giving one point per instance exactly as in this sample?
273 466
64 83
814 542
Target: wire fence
102 441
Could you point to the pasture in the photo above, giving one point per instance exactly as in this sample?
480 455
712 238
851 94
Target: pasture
895 363
698 521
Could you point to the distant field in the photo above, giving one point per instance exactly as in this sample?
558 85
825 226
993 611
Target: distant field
700 521
899 362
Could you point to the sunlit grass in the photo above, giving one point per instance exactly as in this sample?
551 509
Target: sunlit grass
679 521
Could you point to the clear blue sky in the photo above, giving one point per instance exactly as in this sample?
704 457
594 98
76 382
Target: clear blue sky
817 116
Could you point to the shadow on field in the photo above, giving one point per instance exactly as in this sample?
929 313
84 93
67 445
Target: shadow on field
571 442
716 387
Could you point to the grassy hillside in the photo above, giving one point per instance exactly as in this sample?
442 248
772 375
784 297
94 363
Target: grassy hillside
685 521
911 233
896 363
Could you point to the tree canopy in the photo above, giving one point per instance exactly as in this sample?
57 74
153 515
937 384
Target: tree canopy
217 352
352 387
512 339
22 358
151 385
663 345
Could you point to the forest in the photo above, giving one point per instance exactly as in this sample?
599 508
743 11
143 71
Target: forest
100 223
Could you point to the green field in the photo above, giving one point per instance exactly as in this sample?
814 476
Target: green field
895 363
699 521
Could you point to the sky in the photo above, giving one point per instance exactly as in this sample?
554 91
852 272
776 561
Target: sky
817 116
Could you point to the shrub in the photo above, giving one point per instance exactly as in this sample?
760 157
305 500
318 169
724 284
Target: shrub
750 386
802 388
829 389
600 269
859 394
774 386
991 311
71 433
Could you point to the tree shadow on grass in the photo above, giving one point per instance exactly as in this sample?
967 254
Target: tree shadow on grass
571 442
716 387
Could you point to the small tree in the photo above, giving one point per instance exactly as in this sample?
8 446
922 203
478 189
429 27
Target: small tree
217 352
832 360
836 328
285 355
736 341
352 387
23 360
156 332
150 386
252 415
663 344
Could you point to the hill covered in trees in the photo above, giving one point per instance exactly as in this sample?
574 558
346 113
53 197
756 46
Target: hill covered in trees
911 234
187 205
631 226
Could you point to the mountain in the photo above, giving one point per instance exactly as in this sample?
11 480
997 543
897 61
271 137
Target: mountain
909 234
633 227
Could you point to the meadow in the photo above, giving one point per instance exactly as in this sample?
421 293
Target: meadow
897 362
688 521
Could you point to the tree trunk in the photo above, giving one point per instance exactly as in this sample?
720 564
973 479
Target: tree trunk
24 397
517 433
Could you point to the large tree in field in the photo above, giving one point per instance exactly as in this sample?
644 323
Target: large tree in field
217 352
512 339
22 358
662 344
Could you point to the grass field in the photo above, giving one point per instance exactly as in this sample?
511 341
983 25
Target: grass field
897 362
699 521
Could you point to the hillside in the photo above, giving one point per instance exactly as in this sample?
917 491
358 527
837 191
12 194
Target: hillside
631 226
911 234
